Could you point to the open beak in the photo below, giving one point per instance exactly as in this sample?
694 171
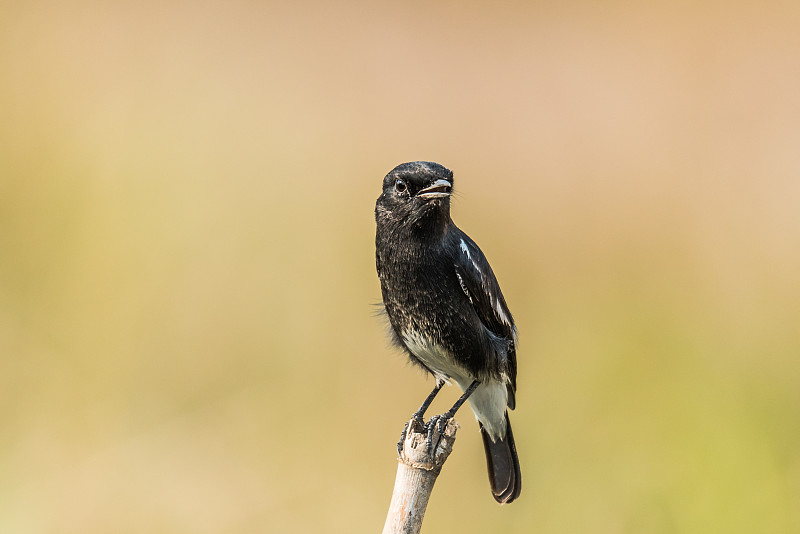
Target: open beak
439 189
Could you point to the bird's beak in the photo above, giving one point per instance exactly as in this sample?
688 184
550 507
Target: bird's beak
439 189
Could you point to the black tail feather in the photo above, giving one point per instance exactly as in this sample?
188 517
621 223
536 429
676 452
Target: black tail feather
503 465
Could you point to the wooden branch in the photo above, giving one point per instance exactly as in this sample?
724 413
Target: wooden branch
416 474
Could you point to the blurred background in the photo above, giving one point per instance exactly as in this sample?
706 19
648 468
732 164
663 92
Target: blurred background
188 338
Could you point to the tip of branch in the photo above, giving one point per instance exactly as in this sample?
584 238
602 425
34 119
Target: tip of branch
415 447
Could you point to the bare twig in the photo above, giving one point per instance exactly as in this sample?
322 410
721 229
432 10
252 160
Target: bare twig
416 474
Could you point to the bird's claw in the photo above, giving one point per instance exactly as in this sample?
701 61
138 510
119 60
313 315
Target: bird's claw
402 439
416 418
434 430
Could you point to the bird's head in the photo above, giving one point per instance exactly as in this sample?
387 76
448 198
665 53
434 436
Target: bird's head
416 194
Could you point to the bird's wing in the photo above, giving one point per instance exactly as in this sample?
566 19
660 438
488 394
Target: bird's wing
478 282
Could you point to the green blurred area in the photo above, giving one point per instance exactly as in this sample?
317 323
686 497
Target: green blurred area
188 339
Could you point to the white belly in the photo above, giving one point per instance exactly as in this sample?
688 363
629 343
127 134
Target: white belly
488 401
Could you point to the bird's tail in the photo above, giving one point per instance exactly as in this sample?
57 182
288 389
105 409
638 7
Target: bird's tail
503 465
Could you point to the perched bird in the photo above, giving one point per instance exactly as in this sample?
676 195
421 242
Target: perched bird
446 309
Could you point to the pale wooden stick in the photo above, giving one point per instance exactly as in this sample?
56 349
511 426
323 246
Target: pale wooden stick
416 474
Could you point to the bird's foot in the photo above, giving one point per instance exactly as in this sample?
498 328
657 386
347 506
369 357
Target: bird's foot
417 419
435 428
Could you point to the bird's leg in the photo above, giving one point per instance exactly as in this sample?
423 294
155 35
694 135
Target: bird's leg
427 402
449 414
418 415
438 422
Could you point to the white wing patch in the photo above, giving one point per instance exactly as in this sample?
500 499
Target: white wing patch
501 314
464 287
498 308
465 250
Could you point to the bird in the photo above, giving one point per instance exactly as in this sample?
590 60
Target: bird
446 310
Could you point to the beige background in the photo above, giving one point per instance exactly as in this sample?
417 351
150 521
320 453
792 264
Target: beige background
187 287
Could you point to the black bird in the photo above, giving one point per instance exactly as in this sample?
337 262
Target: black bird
446 309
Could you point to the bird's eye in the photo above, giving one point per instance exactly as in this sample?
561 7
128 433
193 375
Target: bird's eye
400 186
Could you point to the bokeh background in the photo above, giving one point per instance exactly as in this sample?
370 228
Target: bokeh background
188 339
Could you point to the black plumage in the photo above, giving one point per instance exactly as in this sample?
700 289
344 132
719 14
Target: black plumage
446 309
